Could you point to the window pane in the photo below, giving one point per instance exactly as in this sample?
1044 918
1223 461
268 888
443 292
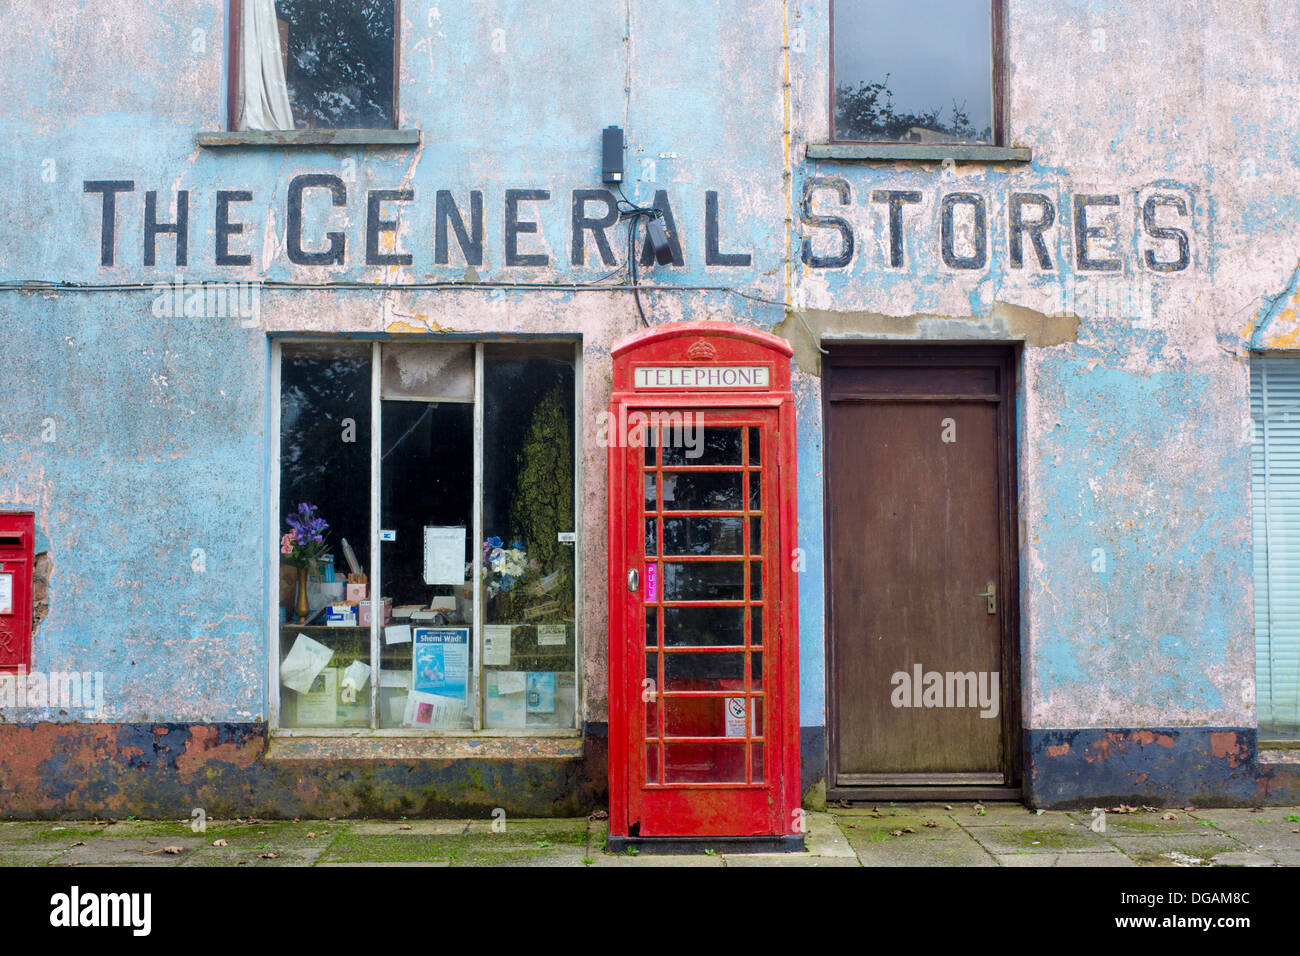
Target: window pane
704 626
703 536
324 465
339 62
427 482
528 574
913 70
704 581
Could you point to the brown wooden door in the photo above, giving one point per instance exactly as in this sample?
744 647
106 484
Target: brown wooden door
920 569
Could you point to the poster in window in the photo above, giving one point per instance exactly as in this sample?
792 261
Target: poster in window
440 661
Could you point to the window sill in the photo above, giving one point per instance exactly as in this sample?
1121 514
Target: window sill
918 152
376 745
311 137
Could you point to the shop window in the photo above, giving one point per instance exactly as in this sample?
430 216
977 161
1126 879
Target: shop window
442 594
1275 497
917 71
313 64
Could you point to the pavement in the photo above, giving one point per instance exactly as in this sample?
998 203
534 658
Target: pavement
928 834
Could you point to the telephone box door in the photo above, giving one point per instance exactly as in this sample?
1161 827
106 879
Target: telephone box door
703 620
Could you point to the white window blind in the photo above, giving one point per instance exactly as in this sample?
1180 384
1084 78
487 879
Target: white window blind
1275 493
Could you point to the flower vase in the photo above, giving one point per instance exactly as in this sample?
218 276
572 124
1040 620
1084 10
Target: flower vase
301 610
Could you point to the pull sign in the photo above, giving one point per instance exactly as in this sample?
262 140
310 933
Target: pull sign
387 534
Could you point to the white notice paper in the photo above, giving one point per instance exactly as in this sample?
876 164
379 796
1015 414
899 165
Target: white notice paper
305 660
444 555
511 682
358 673
6 593
548 634
397 634
496 644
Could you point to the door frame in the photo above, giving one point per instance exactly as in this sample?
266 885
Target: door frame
1004 359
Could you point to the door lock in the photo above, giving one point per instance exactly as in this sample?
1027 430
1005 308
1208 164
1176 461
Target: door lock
992 595
633 580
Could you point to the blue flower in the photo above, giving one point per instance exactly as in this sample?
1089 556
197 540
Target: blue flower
494 541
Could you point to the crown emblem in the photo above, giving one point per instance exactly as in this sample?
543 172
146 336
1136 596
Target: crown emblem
702 351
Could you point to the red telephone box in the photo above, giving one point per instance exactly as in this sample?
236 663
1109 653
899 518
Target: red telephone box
703 639
17 547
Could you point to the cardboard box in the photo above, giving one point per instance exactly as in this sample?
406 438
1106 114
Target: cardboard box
355 592
341 615
365 608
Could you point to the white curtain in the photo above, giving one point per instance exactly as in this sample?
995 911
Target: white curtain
263 97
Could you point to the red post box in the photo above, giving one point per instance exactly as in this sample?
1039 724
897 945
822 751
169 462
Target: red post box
703 640
17 547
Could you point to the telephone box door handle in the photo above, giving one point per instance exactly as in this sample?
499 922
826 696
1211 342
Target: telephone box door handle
992 595
633 580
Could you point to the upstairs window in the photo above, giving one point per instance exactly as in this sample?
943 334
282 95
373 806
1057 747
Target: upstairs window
917 71
313 64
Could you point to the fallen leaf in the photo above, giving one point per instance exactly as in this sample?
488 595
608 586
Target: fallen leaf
908 830
173 850
854 826
220 843
947 806
311 834
80 843
269 856
599 815
895 832
1169 816
929 823
404 826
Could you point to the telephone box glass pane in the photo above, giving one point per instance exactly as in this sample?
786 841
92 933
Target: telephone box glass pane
755 446
651 537
686 446
651 501
756 580
755 490
703 535
703 491
704 762
755 535
756 762
756 670
703 671
704 581
756 625
704 626
651 627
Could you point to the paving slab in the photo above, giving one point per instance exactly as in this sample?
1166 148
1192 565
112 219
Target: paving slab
351 847
242 856
788 859
1241 858
45 835
994 815
656 859
951 847
1231 816
824 838
129 851
28 857
399 828
1156 850
1043 835
1142 824
525 832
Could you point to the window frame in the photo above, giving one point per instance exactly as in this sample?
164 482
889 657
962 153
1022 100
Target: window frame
375 570
234 17
998 15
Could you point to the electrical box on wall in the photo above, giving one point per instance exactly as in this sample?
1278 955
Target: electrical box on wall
17 553
611 154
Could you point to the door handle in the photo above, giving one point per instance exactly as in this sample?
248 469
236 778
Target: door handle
633 580
992 595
